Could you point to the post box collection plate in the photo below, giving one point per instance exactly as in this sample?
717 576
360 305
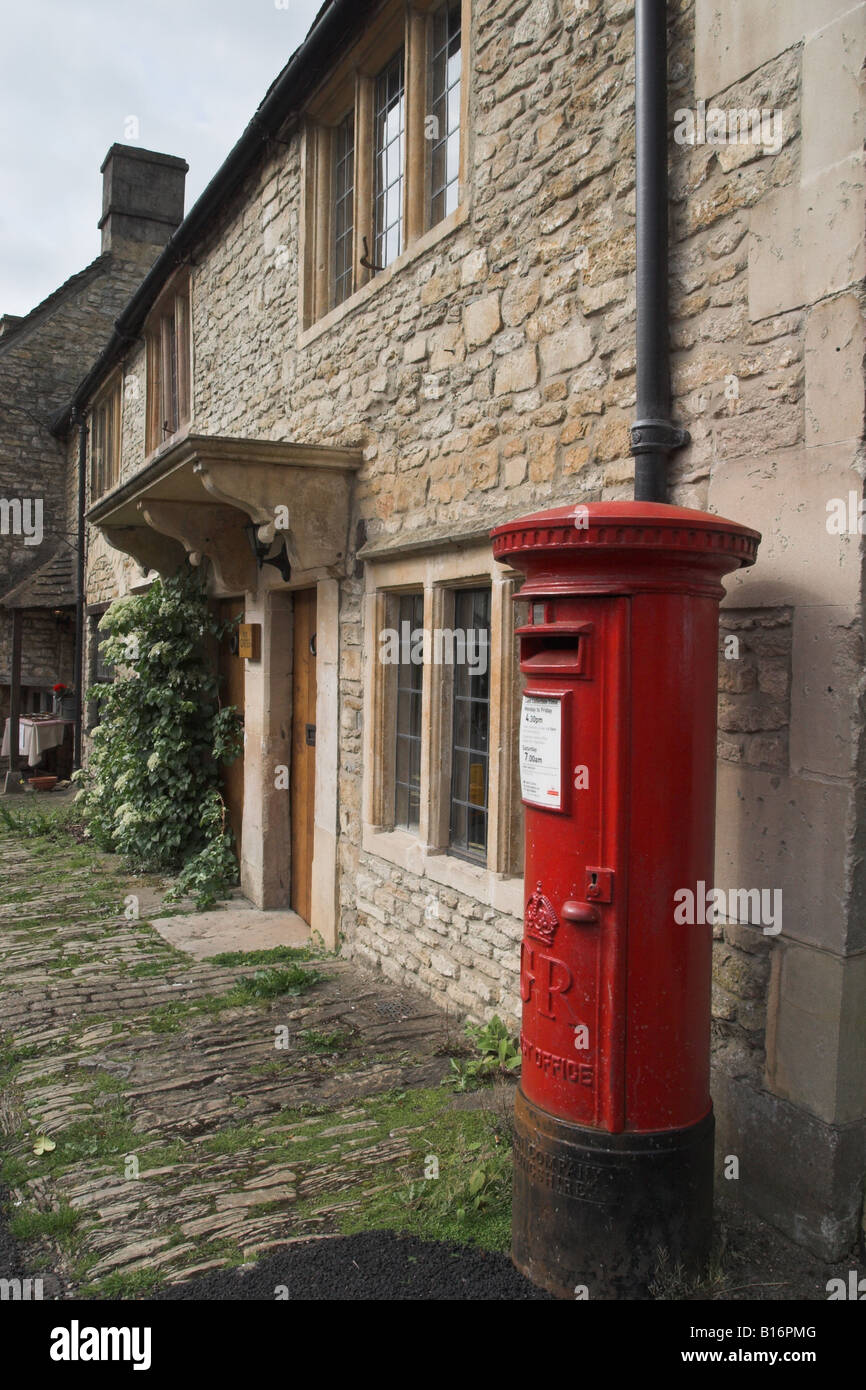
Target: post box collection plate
541 750
614 1125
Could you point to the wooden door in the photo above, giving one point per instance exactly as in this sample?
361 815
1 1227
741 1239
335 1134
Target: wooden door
232 670
303 776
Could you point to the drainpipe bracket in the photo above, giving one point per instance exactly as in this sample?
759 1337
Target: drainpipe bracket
657 437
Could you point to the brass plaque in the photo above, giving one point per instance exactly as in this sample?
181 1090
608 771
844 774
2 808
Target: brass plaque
250 641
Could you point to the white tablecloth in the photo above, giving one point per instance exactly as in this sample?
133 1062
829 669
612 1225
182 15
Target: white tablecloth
35 736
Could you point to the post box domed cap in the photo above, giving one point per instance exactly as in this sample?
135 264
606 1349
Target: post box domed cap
635 526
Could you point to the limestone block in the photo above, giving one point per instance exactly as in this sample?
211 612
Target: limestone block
570 348
789 833
416 349
734 37
833 92
520 299
784 495
481 319
827 664
446 347
816 1198
835 350
807 241
816 1040
474 267
517 372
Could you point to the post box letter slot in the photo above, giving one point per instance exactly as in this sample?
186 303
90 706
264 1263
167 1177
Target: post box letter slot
554 654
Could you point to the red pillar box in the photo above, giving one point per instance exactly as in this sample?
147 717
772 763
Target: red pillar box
614 1123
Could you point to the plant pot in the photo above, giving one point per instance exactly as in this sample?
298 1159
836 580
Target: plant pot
42 784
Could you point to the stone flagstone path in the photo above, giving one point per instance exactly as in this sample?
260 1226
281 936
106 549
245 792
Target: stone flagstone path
184 1138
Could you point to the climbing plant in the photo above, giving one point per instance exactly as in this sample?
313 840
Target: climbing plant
151 788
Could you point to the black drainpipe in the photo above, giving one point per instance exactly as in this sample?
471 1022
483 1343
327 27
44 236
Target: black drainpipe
654 436
79 420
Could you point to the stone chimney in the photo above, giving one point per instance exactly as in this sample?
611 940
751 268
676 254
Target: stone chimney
142 197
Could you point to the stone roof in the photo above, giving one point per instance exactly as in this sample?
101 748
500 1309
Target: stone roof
53 585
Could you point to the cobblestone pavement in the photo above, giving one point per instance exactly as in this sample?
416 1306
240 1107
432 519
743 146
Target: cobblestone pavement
184 1138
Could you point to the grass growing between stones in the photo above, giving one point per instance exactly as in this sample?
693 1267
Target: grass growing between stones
456 1185
99 1138
264 986
132 1284
32 817
275 955
314 1040
11 1059
60 1225
263 1148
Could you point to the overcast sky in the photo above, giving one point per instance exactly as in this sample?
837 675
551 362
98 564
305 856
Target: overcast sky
73 72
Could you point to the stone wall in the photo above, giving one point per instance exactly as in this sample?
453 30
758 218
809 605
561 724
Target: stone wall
38 375
491 369
458 952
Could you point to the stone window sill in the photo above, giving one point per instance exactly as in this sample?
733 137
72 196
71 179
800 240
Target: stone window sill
403 849
170 442
418 248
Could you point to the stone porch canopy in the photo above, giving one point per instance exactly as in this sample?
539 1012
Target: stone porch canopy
199 497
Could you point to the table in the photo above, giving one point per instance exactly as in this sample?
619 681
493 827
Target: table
35 737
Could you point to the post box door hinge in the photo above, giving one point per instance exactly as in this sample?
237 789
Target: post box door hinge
599 885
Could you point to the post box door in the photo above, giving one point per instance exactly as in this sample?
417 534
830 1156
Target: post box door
573 955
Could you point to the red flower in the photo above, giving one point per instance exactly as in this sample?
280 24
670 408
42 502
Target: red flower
59 689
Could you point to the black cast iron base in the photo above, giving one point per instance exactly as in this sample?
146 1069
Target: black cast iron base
609 1213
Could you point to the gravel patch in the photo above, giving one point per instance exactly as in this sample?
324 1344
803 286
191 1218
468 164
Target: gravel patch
376 1265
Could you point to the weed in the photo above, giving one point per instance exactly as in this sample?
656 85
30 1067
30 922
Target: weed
11 1057
273 983
35 821
316 1041
264 985
497 1053
276 955
137 1283
97 1137
672 1283
59 1224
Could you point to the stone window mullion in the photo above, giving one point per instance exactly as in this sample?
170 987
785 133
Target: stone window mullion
503 679
429 695
440 685
417 63
364 93
381 700
324 214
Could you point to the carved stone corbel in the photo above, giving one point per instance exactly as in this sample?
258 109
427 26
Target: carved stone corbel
208 529
150 549
316 500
